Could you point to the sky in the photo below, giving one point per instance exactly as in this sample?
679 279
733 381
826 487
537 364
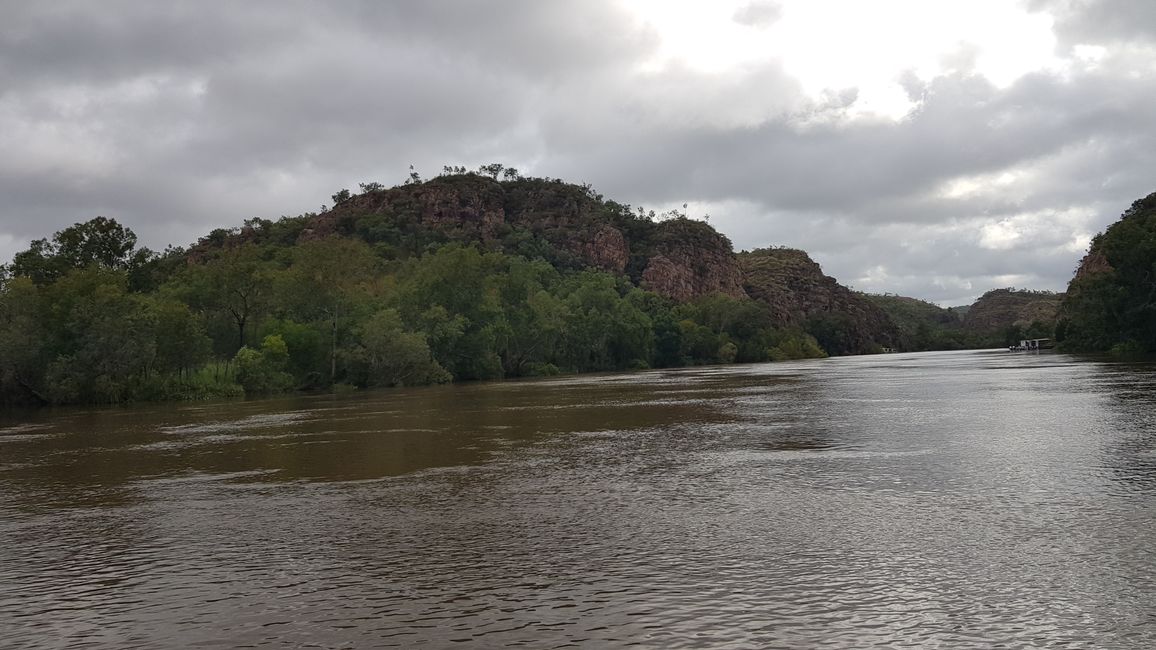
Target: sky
934 149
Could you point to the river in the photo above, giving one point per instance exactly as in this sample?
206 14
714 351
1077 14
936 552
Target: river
956 500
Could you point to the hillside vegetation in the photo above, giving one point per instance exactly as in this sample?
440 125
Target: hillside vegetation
798 293
466 276
923 325
473 275
1110 304
1006 316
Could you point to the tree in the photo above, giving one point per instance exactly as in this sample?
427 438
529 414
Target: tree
327 280
603 330
532 319
181 342
102 337
100 241
236 283
387 355
263 371
448 294
22 342
492 170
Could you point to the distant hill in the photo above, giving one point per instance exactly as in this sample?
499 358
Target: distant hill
1110 304
800 294
1013 313
923 325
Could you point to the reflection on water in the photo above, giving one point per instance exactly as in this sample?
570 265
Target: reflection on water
947 500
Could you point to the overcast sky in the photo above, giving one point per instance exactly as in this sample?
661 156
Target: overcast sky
935 149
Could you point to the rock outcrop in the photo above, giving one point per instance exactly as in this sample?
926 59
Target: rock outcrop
691 259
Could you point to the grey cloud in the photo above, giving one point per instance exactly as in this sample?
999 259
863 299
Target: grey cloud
964 127
182 117
1095 22
758 14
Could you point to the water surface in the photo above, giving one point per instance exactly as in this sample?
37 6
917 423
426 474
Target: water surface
974 499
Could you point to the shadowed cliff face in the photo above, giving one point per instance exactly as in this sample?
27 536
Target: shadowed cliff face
1000 309
800 295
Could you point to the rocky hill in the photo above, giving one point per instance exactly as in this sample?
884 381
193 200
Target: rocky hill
924 326
801 295
574 228
1000 309
1110 304
908 313
569 225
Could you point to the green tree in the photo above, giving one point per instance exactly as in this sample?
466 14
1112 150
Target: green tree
234 283
98 242
181 342
329 280
448 294
22 342
102 339
603 330
387 355
1114 303
263 371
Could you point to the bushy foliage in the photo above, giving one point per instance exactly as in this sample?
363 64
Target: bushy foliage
263 371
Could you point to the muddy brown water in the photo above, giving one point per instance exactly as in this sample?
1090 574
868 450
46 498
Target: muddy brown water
967 499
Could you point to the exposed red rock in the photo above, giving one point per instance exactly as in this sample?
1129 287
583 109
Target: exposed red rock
692 259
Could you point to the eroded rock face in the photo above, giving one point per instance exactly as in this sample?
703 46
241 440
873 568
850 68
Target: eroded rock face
692 259
798 292
472 211
666 278
1092 263
606 249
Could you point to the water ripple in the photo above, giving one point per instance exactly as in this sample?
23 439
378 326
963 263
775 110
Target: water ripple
890 502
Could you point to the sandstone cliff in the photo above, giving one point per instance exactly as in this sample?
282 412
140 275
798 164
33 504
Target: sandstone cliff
691 259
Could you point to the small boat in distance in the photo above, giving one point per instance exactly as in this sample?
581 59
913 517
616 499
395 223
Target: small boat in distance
1028 345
